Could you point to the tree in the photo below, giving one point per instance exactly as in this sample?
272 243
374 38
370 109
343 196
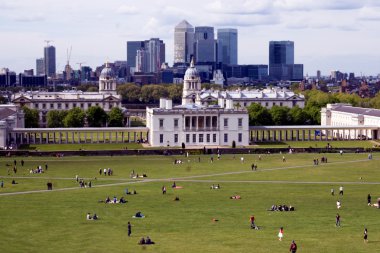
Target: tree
130 93
55 118
96 116
280 115
31 117
298 116
175 92
115 117
259 115
74 118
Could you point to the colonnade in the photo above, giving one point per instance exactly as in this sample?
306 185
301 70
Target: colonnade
272 134
54 136
201 123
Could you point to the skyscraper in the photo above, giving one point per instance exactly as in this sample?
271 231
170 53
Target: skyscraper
156 54
205 46
40 67
183 42
132 47
281 61
228 46
49 60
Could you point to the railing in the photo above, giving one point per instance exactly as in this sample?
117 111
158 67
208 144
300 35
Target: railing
201 129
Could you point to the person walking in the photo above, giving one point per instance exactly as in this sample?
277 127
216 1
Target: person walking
341 190
332 191
337 220
281 234
365 235
369 199
163 189
129 229
293 247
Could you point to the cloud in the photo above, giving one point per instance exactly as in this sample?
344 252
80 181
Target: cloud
30 18
244 21
242 7
7 5
369 14
127 10
311 5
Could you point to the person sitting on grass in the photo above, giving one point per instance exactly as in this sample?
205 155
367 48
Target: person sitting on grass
108 200
89 217
235 197
148 240
142 241
95 217
139 215
122 200
176 198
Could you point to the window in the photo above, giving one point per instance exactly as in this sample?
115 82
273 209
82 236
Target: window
201 138
161 122
176 138
208 138
74 105
36 106
89 105
43 106
225 137
240 122
187 138
280 103
161 138
51 106
225 122
67 106
214 138
175 122
81 105
240 137
194 138
59 106
266 104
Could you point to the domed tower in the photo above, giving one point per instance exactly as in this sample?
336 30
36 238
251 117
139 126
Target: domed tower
191 85
107 81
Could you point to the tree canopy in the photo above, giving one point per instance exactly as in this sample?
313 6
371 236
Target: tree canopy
31 117
74 118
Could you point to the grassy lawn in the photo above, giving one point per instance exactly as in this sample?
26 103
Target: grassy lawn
55 221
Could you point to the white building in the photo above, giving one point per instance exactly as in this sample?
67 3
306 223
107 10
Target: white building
267 97
44 101
194 124
345 115
11 116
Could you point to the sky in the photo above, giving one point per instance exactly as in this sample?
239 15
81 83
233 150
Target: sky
328 34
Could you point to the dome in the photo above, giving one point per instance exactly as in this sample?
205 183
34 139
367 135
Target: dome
107 72
191 73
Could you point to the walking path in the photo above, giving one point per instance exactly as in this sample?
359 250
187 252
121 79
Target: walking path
194 179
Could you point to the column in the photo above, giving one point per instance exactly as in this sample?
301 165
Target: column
280 135
40 138
298 134
97 137
85 137
92 137
129 136
104 137
60 137
117 137
67 137
134 136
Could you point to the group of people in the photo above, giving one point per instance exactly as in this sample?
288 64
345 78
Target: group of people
106 171
133 174
84 184
114 200
282 208
145 241
177 161
215 186
93 217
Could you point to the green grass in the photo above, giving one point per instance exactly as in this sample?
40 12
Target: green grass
55 221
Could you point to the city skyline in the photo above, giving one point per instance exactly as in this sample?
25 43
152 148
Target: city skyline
328 35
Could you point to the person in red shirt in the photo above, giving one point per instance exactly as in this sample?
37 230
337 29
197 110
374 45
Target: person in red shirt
252 220
293 247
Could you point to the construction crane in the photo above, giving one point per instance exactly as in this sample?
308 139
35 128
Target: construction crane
47 42
68 53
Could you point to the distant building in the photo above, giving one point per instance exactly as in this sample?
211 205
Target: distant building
132 47
32 81
49 60
7 78
227 46
183 42
204 44
107 97
40 67
281 61
218 78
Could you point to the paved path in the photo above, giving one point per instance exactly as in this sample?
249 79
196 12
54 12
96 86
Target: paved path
194 179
